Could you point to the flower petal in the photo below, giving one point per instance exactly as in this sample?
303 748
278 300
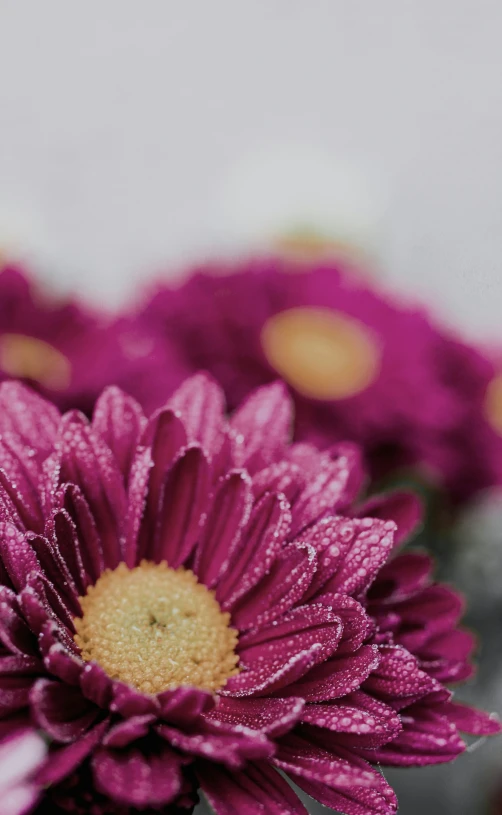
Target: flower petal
271 716
259 790
119 420
232 745
136 779
265 421
336 677
61 710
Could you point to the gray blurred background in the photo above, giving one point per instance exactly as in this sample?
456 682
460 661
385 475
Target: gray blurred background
136 136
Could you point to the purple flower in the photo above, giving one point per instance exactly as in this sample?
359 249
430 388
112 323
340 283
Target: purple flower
360 365
69 353
191 603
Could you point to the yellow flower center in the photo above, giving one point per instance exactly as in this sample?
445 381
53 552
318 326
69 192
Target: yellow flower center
322 353
493 404
156 628
26 357
305 243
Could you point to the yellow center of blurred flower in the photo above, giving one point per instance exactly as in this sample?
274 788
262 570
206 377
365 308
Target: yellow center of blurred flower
305 243
156 628
493 404
322 353
26 357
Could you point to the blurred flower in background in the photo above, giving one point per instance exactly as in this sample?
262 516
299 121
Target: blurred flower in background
69 352
361 364
22 752
303 202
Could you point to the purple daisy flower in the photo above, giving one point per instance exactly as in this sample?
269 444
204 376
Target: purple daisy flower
360 365
69 353
191 603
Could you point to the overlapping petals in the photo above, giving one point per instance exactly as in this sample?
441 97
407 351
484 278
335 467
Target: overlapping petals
341 656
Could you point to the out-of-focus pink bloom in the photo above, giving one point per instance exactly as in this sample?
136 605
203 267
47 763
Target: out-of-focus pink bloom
22 752
69 352
360 364
192 603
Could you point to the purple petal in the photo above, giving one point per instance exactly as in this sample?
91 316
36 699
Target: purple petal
351 800
62 533
259 790
336 677
201 403
132 778
17 675
26 415
366 546
57 659
96 685
185 499
125 732
283 586
262 540
470 720
397 678
14 633
61 710
265 422
326 491
271 716
295 631
87 462
127 702
62 761
281 476
358 721
356 624
19 476
53 566
401 506
223 743
17 555
183 705
269 675
119 420
229 513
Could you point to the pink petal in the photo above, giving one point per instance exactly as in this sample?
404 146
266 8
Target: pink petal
350 800
17 675
17 555
88 462
228 515
271 716
261 541
297 630
401 506
219 741
266 676
61 710
201 404
281 476
357 720
265 422
96 685
356 624
88 558
185 499
62 533
336 677
129 730
14 633
326 491
470 720
369 543
184 705
283 586
62 761
135 779
397 678
28 416
119 420
259 790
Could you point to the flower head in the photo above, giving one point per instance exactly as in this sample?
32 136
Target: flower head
360 366
191 603
70 353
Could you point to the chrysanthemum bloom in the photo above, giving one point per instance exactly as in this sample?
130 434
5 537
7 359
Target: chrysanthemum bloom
192 603
70 353
360 365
